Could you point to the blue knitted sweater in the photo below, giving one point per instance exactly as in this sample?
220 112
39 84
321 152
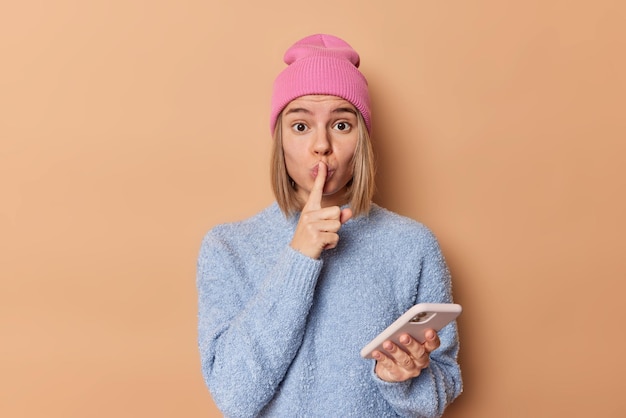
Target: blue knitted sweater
280 333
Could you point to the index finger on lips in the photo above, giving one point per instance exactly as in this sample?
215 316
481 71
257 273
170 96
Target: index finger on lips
315 197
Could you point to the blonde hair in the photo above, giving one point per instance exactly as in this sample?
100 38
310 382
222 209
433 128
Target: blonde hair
360 189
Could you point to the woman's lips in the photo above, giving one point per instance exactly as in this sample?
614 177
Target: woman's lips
315 171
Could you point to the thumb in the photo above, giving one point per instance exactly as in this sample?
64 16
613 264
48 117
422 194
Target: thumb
345 216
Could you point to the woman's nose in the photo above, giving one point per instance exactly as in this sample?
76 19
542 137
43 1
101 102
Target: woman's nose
322 144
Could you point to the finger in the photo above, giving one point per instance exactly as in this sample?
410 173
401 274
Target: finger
417 351
383 360
322 220
389 369
432 341
345 215
328 240
315 197
400 357
331 241
386 369
412 346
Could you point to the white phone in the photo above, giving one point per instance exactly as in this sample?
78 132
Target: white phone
415 322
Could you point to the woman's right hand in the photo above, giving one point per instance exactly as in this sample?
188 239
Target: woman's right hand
317 228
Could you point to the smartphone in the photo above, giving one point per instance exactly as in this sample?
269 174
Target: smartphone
415 322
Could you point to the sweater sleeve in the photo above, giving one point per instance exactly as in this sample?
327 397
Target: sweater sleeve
248 338
440 383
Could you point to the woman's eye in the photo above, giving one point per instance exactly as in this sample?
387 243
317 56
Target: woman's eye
299 127
342 126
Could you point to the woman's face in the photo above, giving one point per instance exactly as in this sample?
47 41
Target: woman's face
320 128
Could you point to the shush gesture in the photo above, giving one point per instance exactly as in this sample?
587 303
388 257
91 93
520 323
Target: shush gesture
318 227
316 241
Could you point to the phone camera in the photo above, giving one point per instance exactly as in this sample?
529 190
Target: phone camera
421 317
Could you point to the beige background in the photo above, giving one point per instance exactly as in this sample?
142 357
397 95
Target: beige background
129 128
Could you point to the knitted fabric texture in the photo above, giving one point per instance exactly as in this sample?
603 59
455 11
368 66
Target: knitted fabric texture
321 64
280 333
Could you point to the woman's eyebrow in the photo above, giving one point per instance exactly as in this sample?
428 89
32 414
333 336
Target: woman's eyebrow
344 110
297 110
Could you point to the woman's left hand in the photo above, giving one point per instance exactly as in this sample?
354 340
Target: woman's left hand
407 360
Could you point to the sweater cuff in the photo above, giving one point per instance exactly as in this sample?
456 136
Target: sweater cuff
299 272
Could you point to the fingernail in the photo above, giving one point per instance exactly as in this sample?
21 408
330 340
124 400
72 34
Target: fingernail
405 339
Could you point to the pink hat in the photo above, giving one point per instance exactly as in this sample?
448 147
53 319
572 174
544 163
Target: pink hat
321 64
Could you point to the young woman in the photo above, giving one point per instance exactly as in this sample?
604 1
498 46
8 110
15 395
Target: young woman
288 297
